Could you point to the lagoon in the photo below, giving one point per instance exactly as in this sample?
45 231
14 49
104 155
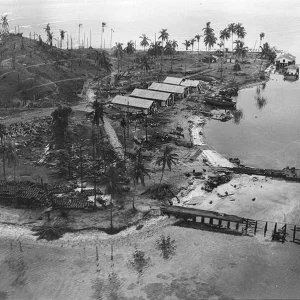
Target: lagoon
268 133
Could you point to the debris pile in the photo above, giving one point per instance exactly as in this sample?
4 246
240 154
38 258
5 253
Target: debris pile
215 180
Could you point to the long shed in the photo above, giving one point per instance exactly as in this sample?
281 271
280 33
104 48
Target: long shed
176 90
163 99
133 104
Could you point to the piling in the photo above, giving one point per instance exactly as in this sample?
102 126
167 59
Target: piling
265 230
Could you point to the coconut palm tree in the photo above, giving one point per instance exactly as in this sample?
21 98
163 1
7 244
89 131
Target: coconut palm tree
144 42
138 172
112 187
164 36
129 49
240 31
187 44
97 112
209 41
4 23
192 42
261 37
119 53
155 49
102 60
198 37
62 36
207 30
241 50
167 159
232 29
144 64
224 35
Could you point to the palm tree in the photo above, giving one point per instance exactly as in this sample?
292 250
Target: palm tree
192 42
198 37
144 64
261 37
62 36
224 35
241 49
138 172
60 122
129 49
112 187
167 159
49 34
240 31
97 113
118 52
232 29
5 25
187 44
174 46
155 49
144 43
209 38
164 36
207 31
102 60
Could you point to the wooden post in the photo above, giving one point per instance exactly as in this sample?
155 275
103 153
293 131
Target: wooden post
237 226
202 220
247 224
265 230
194 219
220 222
228 224
211 221
255 228
294 233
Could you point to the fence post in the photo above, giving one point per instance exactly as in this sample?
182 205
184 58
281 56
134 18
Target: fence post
246 224
255 228
237 226
294 233
266 227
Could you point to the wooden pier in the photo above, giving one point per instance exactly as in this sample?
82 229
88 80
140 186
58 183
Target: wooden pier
213 218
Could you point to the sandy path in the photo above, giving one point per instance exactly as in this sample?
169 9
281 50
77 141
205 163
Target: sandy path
114 141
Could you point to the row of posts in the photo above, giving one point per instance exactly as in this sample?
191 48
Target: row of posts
249 223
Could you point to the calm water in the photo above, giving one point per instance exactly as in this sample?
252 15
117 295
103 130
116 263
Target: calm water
268 134
131 18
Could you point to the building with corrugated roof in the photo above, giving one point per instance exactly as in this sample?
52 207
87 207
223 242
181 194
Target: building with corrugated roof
173 80
177 91
161 98
132 104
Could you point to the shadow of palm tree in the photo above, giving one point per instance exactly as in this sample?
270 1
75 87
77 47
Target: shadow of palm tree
238 115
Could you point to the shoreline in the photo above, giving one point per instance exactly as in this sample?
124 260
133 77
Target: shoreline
197 123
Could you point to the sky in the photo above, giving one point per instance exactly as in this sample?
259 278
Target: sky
129 19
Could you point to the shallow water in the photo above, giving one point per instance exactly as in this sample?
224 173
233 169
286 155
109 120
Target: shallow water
268 134
172 263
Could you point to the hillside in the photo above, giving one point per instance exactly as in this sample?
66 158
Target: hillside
39 75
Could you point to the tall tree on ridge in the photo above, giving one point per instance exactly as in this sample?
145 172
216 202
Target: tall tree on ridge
209 41
192 42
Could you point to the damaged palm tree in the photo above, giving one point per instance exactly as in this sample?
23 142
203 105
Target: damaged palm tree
51 230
